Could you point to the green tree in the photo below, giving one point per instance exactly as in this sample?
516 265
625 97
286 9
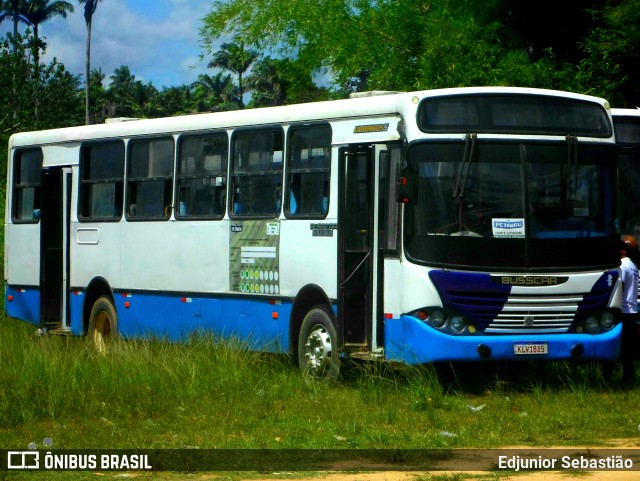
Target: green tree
38 11
14 10
89 10
610 67
213 93
267 83
59 103
124 92
409 44
99 109
145 100
282 81
175 100
234 57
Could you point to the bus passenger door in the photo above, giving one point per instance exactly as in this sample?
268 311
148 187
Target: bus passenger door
357 253
54 242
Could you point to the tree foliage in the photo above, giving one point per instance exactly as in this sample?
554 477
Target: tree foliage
56 90
274 50
34 97
580 45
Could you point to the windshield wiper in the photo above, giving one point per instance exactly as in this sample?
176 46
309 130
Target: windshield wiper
463 171
570 188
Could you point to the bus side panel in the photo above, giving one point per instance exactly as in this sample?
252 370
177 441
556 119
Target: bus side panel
23 303
257 324
22 272
76 304
393 286
176 256
410 340
308 258
22 243
95 252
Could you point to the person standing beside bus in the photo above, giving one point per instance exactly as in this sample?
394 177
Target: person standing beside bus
629 276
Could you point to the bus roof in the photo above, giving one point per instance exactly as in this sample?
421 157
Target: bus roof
626 112
365 106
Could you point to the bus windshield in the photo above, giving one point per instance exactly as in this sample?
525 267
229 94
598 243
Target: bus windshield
533 206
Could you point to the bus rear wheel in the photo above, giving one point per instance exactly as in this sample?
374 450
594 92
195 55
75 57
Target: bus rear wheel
318 355
103 324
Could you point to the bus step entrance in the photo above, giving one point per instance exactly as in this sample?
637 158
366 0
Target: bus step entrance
55 328
375 355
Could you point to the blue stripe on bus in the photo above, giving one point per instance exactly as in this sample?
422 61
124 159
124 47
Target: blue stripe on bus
410 340
24 303
259 324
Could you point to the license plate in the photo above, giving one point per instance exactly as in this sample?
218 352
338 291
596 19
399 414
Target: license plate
527 348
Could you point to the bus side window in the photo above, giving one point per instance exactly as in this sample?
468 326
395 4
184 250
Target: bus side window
202 176
27 166
150 178
101 181
308 174
257 173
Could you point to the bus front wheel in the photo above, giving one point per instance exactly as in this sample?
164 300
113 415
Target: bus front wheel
103 323
318 355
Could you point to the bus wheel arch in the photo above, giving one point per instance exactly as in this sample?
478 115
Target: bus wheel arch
98 288
307 298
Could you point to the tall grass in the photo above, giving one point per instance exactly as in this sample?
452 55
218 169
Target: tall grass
208 394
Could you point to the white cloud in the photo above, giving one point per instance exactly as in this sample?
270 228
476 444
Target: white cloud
159 41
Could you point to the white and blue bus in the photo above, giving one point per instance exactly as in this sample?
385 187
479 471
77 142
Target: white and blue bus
458 224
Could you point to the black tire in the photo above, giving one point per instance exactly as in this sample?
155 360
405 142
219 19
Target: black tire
318 355
103 324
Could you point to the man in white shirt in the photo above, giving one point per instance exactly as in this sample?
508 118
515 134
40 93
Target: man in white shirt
629 277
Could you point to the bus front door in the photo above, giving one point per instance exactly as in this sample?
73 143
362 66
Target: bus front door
357 251
54 235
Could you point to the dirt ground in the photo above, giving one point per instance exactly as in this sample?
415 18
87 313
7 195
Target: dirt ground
629 448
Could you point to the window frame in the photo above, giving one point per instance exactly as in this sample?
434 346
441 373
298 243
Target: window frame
178 177
15 187
140 180
290 170
234 175
113 180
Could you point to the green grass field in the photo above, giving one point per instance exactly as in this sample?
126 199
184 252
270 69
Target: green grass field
203 394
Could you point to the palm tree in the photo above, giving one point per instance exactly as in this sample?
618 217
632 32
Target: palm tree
99 104
15 10
123 90
267 82
211 90
122 79
89 9
233 57
38 11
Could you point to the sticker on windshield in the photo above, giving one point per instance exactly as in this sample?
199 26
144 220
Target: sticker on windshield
508 228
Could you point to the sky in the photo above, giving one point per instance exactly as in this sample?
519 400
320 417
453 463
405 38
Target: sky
159 40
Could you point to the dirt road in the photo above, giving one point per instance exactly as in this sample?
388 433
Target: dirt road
457 467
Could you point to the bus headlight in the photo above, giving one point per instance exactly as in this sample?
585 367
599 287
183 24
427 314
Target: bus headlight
437 318
456 323
592 324
607 320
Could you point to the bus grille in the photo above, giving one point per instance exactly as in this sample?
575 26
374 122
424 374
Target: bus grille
526 314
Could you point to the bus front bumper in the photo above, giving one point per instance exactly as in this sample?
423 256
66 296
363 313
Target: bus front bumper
410 340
